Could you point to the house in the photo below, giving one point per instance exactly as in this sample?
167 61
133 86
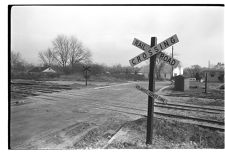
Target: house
214 75
165 73
45 69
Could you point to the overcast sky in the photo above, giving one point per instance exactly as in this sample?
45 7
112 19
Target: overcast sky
108 31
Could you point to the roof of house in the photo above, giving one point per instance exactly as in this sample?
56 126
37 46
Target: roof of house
39 69
49 69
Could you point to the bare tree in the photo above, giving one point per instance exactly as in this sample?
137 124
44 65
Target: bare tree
61 49
193 70
15 58
16 61
159 68
69 51
47 57
77 52
85 57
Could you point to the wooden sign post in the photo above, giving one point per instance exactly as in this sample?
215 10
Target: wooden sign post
153 51
151 87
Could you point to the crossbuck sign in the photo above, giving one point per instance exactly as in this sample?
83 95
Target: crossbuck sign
150 51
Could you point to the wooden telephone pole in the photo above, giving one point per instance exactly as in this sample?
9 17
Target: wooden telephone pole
206 81
172 67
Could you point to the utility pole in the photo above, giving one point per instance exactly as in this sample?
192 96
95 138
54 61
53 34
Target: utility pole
172 67
206 80
151 87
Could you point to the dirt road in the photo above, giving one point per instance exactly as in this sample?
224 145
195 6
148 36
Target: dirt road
60 120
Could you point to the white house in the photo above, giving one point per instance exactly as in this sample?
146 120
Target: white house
178 71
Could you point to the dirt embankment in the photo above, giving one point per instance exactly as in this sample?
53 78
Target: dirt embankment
166 135
92 134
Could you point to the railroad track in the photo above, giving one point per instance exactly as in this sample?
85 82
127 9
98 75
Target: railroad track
206 123
203 122
20 90
188 107
194 108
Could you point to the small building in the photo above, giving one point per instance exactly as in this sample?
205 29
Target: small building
181 83
214 75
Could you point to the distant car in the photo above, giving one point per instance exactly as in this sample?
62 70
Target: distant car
192 79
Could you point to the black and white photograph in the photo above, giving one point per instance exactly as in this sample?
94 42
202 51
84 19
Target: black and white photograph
115 76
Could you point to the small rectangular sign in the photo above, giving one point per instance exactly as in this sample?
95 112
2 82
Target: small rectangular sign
150 51
150 93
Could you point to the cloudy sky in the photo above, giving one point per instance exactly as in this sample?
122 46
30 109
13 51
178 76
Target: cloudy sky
108 31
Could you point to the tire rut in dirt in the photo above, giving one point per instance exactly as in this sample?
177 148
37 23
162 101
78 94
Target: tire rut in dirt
99 136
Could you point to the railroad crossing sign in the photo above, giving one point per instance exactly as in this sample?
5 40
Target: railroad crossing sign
86 69
148 92
168 59
150 51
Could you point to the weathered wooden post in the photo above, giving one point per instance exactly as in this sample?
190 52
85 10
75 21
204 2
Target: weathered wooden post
151 87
